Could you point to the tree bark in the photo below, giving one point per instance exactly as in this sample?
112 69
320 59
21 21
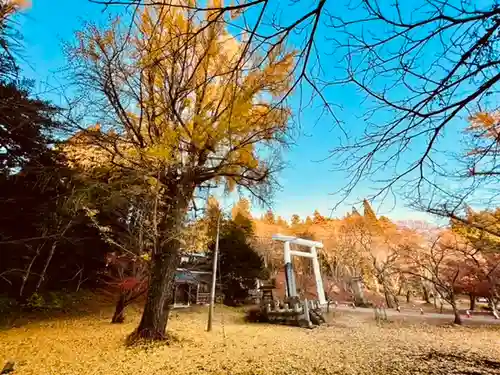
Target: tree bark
28 270
388 299
396 301
119 315
494 298
425 294
164 263
472 298
493 306
154 318
458 318
46 265
41 279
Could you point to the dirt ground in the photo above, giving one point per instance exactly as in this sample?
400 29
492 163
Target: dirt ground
349 344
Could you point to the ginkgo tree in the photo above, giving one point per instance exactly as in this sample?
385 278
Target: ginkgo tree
182 104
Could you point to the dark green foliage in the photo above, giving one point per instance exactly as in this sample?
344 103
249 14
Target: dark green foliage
45 242
240 264
33 222
25 126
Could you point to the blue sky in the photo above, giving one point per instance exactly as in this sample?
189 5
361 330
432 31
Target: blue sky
307 183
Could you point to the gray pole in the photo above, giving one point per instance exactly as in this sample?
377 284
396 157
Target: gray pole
214 278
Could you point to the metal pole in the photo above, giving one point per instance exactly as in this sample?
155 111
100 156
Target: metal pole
214 278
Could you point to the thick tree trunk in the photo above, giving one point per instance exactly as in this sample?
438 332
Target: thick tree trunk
396 301
400 290
458 318
388 299
119 315
472 298
425 294
493 300
493 306
164 263
160 293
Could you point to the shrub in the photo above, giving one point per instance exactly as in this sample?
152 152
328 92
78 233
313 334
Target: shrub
7 304
255 315
35 302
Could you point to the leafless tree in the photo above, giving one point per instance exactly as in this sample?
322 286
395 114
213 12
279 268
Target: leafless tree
441 263
424 68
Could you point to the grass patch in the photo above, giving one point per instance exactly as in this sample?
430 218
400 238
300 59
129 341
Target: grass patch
350 344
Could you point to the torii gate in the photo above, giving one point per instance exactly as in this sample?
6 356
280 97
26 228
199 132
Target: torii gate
291 287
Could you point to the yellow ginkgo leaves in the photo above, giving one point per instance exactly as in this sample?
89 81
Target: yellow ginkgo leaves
21 4
184 96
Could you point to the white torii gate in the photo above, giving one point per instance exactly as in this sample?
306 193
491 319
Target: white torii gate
291 287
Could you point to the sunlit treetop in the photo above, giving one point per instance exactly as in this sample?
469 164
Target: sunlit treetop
182 95
480 228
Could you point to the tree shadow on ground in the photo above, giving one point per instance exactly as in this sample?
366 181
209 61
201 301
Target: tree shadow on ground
435 362
86 304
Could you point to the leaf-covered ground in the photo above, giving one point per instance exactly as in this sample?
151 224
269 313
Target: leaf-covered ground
350 345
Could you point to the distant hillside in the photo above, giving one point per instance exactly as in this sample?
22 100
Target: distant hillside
418 225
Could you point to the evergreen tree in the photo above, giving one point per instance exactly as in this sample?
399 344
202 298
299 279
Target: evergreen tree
240 264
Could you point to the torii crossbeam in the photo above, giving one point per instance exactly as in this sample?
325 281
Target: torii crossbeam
291 287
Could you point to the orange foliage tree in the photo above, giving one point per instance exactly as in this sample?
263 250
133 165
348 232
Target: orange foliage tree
480 230
444 262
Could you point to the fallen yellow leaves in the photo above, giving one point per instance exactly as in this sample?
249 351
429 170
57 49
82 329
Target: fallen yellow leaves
91 345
